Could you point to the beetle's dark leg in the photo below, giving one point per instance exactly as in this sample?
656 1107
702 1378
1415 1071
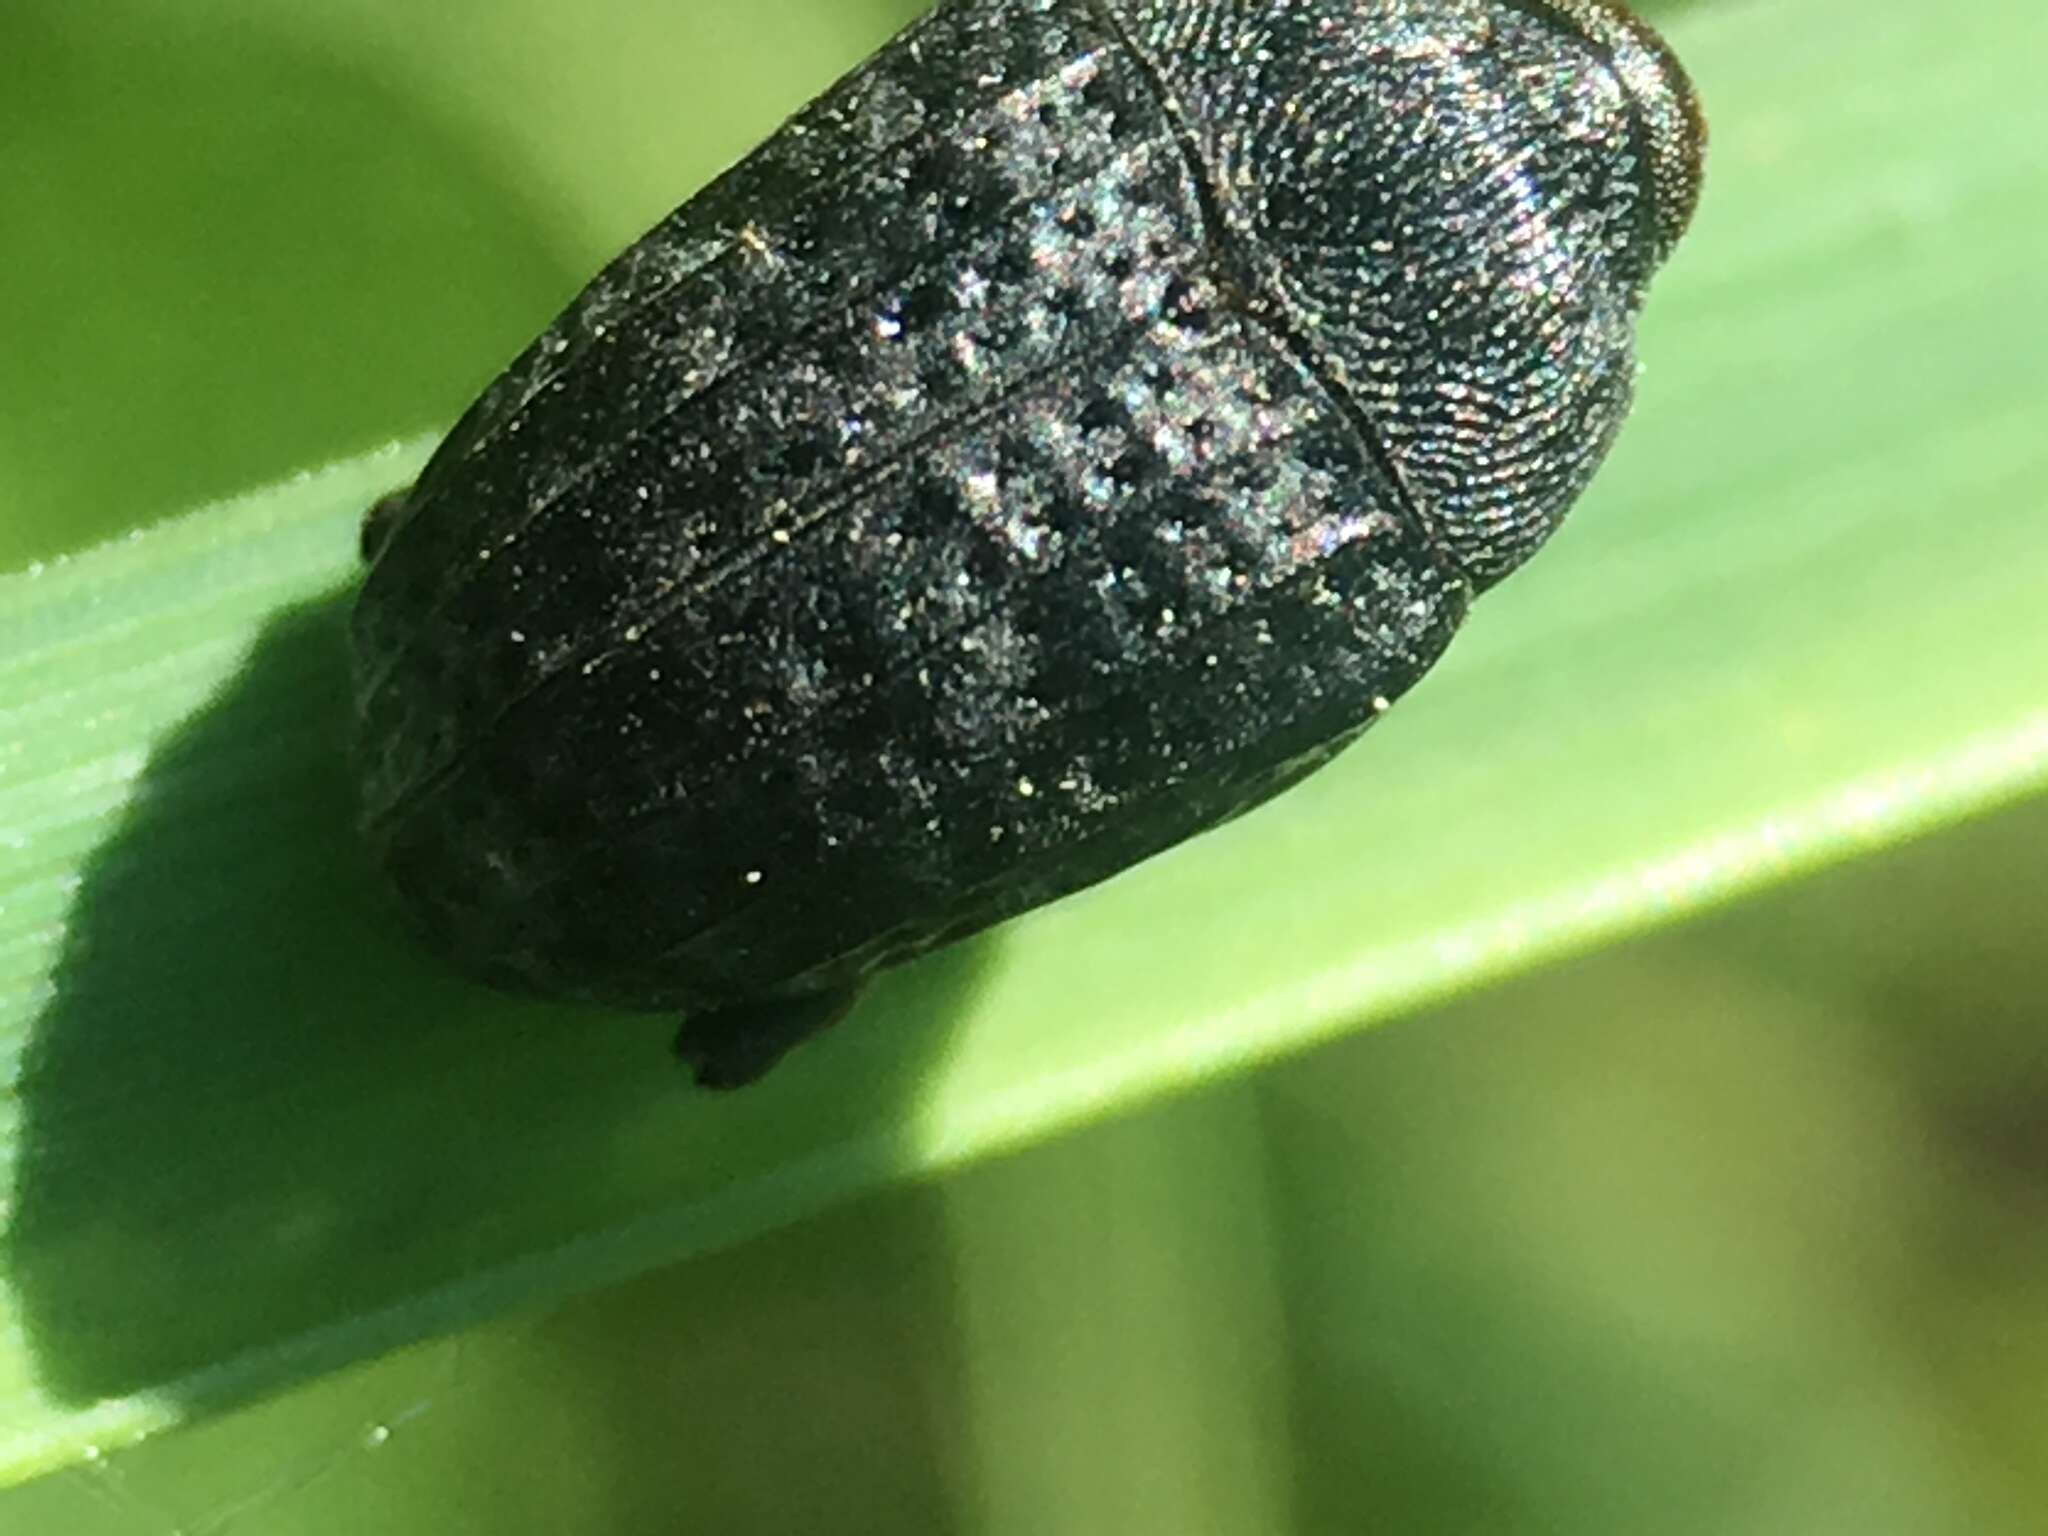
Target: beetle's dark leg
379 522
731 1047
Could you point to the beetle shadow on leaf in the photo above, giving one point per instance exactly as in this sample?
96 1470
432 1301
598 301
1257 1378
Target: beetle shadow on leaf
253 1109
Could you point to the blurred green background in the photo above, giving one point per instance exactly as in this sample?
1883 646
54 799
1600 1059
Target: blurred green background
244 238
1738 1228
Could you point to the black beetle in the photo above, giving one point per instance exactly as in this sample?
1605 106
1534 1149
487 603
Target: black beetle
1073 428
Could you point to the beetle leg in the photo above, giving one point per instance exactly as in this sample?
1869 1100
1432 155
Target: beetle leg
731 1047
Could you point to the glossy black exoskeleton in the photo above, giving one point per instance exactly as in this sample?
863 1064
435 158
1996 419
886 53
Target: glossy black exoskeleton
1073 428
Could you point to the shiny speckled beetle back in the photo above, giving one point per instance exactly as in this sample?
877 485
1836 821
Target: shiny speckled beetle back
1072 429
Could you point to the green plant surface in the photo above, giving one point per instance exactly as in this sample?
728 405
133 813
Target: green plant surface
1731 1228
253 1134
